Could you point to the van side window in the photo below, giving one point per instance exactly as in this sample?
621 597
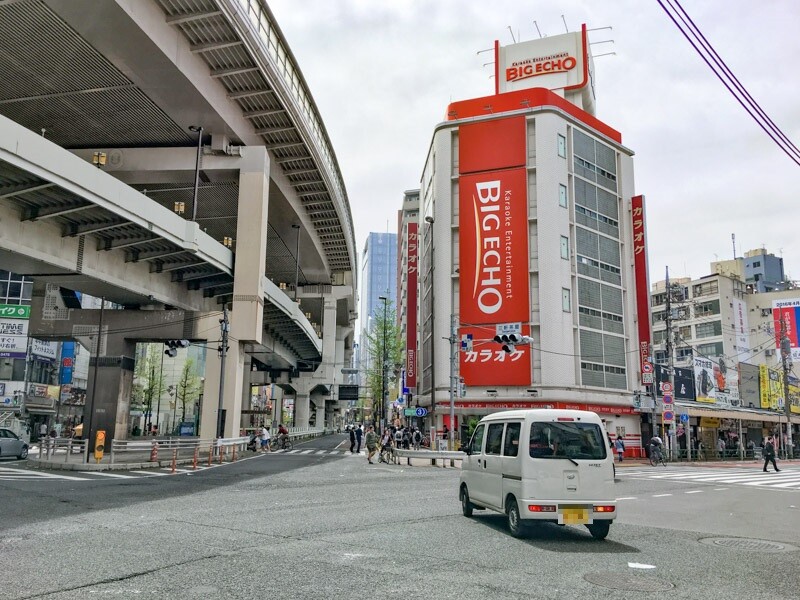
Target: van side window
494 438
477 439
511 444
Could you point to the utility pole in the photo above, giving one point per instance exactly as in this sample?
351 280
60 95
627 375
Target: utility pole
223 349
453 339
786 362
87 432
670 368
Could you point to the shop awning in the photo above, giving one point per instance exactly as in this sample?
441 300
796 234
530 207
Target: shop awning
732 413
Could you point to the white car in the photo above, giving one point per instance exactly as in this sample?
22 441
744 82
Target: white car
12 445
541 465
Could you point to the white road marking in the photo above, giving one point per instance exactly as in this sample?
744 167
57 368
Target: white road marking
640 566
104 474
627 498
660 495
694 492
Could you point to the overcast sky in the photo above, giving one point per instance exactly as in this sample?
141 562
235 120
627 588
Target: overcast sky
382 73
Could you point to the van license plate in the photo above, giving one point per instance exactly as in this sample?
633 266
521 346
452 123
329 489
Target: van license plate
573 516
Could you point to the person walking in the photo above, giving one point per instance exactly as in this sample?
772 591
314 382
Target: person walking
359 433
265 438
620 446
769 455
417 437
352 439
372 443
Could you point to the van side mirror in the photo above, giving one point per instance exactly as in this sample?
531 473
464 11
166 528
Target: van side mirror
466 450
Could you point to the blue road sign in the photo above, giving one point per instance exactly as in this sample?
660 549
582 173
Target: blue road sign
684 418
421 412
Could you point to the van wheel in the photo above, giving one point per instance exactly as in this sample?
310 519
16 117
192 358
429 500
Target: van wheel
466 506
514 520
599 529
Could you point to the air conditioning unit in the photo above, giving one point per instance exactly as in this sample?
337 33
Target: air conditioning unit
769 352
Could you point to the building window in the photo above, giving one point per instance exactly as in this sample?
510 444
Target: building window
562 146
683 353
757 264
705 289
704 309
562 195
564 247
566 302
704 330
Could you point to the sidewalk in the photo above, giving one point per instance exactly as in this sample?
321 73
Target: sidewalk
638 462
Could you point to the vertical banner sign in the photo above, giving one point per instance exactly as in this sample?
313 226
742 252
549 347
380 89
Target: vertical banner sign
411 306
493 249
642 287
786 314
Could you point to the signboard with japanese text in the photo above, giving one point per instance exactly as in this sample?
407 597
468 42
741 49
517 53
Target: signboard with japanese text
44 350
786 317
15 311
412 271
642 283
493 248
13 338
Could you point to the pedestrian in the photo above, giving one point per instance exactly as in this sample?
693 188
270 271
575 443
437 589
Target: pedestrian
359 434
352 439
43 430
769 455
721 447
620 446
417 438
386 446
372 443
265 436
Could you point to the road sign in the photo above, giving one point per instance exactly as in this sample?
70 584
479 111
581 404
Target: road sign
666 387
506 328
410 412
668 417
647 367
405 390
668 399
421 412
684 418
647 378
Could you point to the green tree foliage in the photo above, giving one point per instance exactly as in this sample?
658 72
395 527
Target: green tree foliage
189 386
384 327
148 379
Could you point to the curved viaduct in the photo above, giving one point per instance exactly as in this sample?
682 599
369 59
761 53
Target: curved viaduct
219 189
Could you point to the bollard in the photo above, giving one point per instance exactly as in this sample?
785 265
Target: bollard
233 453
220 449
194 459
210 453
174 460
154 452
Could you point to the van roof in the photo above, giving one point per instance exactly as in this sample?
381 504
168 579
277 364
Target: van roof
543 414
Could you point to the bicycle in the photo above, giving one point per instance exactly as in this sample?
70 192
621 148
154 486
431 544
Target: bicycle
275 444
657 457
386 454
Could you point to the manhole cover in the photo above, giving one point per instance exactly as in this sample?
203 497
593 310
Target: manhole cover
749 545
628 582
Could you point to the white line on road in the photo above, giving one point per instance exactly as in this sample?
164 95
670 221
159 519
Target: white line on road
150 473
103 474
660 495
39 474
640 566
694 492
627 498
720 489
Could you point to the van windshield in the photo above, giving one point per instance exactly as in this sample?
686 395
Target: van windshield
567 439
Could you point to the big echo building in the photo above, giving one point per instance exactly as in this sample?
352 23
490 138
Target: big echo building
529 223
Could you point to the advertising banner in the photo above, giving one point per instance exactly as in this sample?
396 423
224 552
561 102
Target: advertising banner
786 315
684 382
15 311
44 350
412 271
13 338
716 382
742 339
642 287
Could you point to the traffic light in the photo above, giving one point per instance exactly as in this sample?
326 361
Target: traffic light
173 345
509 341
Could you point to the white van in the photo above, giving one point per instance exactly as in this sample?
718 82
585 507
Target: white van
541 465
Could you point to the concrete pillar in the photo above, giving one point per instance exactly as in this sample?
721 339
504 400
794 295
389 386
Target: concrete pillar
321 423
301 410
110 403
234 380
247 315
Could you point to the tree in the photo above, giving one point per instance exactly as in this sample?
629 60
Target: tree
383 322
148 380
189 386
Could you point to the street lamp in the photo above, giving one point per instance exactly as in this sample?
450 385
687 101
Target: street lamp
383 366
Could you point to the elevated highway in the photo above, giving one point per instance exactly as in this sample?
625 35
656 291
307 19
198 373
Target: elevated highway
167 155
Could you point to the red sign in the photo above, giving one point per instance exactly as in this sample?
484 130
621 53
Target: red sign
526 404
493 248
641 276
66 362
411 305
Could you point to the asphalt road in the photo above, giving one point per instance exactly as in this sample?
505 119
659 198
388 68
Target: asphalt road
331 526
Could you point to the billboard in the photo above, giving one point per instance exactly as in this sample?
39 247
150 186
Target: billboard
786 316
412 272
684 382
716 382
494 279
13 338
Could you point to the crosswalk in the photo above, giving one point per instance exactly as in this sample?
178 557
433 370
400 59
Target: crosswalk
786 479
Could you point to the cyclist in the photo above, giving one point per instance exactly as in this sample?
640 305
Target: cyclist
656 449
283 435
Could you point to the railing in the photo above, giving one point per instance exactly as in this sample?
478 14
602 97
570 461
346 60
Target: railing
50 446
155 446
431 455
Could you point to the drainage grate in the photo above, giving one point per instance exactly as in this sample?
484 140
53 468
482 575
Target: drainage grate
749 545
628 582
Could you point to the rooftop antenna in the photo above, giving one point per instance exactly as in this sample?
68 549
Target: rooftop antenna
733 241
537 29
512 34
565 23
